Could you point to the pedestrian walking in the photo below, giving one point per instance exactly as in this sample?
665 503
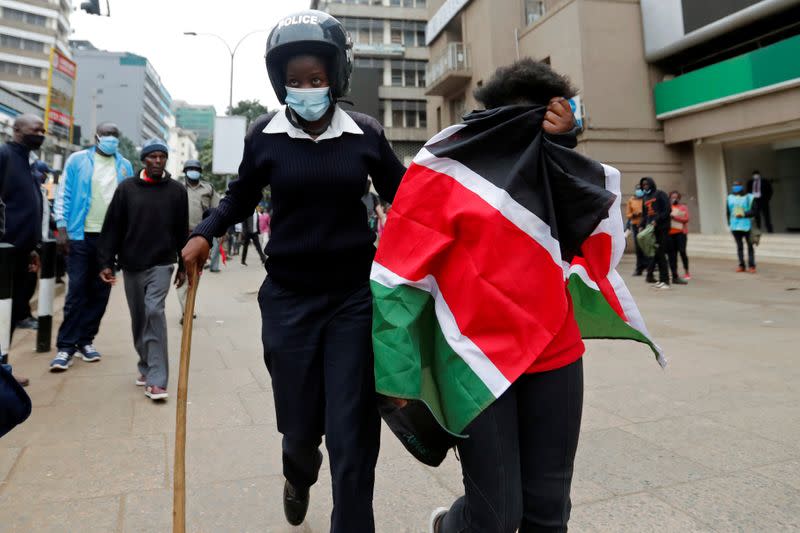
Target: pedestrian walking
633 214
761 189
250 235
20 193
144 230
518 460
316 304
202 197
740 207
85 191
656 212
678 235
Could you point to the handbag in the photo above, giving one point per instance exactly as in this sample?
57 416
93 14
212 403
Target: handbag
15 404
647 241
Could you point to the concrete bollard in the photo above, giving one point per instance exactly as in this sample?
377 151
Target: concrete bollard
47 291
6 282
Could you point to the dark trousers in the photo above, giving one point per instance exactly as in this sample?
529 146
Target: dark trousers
29 283
660 259
20 291
641 260
762 211
677 246
318 350
87 296
248 238
518 459
741 237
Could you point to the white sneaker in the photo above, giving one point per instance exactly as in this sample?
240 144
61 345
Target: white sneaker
662 286
141 381
435 522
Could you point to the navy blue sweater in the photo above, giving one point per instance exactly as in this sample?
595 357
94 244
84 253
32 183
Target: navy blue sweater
22 196
320 237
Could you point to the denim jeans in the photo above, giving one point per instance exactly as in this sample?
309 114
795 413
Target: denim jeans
215 255
87 295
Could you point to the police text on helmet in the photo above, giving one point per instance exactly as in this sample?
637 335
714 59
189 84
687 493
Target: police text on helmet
299 19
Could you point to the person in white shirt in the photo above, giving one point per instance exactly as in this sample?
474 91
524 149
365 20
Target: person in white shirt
761 189
250 234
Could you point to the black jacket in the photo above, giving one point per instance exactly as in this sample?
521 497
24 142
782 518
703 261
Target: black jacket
22 196
766 188
655 206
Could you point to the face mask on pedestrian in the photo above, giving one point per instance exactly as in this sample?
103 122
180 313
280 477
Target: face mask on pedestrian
193 175
33 141
645 191
674 200
108 144
639 193
310 104
737 189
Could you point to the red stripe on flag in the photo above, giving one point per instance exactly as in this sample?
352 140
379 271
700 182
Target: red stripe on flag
503 288
596 261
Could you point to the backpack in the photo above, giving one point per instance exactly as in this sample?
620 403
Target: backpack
647 241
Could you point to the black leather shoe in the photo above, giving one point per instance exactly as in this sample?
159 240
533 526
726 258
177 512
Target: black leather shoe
295 504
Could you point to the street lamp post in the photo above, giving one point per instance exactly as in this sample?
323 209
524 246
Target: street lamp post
231 51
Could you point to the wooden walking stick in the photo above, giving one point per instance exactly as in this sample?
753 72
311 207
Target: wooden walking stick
179 475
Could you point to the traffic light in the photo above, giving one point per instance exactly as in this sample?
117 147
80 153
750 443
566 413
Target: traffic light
92 7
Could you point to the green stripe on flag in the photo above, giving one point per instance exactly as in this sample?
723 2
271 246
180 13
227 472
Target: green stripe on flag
595 317
413 359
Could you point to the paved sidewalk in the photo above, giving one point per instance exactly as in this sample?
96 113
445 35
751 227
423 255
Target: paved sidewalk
710 444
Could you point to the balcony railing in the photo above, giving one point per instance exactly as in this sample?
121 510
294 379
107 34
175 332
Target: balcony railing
455 59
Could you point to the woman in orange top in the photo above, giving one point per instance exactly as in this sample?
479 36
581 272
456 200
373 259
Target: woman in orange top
678 231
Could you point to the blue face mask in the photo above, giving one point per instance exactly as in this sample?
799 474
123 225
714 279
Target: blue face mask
310 104
108 144
737 189
639 193
193 175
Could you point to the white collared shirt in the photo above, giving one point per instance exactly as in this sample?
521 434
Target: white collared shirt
340 123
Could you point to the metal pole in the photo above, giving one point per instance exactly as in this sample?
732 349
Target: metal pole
6 286
230 86
47 291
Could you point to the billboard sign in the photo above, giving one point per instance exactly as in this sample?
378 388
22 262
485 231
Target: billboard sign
58 118
229 135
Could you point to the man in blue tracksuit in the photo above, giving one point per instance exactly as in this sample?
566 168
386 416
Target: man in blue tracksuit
90 178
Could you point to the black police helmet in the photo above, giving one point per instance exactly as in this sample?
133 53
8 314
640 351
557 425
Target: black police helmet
314 33
192 164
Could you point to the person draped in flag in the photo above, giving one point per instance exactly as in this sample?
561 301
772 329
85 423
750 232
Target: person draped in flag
316 304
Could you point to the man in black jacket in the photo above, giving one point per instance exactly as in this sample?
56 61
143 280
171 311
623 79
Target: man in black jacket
21 194
144 230
761 189
250 232
656 211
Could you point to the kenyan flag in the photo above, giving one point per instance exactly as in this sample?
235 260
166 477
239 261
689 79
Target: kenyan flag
490 222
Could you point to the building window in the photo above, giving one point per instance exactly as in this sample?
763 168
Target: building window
23 16
407 3
408 32
363 30
23 71
534 10
408 73
409 113
18 43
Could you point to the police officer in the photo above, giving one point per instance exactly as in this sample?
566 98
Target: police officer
202 197
316 305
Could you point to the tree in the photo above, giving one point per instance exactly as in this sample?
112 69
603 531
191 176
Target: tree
128 150
252 109
206 157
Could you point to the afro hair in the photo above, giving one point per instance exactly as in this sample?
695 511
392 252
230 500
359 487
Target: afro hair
525 81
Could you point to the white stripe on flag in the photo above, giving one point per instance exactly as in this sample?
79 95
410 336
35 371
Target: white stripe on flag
472 355
445 133
498 198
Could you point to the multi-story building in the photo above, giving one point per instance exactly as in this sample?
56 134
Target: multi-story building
691 93
390 65
123 88
29 29
182 147
196 118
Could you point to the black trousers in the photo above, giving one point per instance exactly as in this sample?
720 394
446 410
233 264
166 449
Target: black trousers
660 259
318 350
762 211
518 459
252 237
741 237
21 290
677 246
